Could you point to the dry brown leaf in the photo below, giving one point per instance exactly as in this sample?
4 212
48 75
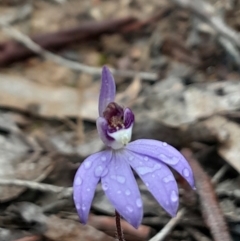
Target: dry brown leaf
174 103
15 163
229 133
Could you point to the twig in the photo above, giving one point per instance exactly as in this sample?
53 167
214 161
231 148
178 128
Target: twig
168 227
228 37
206 11
211 210
120 236
27 42
63 191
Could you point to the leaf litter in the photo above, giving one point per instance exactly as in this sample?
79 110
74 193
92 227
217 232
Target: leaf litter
48 113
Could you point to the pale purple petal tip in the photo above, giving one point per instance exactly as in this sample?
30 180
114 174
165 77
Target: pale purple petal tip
158 178
122 190
166 154
107 90
86 179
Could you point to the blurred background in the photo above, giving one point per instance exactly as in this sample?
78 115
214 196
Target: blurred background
177 66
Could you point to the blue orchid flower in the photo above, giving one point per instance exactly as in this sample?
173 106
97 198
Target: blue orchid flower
150 159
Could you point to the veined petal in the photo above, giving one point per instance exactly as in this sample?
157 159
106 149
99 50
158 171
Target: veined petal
86 179
165 153
122 190
107 90
158 178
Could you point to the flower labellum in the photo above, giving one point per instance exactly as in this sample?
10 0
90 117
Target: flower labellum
150 159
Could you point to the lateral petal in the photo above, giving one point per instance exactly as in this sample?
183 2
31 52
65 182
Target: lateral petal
86 179
158 178
122 190
166 154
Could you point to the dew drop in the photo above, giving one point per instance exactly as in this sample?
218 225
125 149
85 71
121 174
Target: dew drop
162 157
87 164
145 170
145 158
174 196
169 160
121 179
103 158
168 178
153 175
119 192
105 172
128 192
83 208
98 171
105 186
139 203
186 172
130 158
164 144
147 184
78 181
77 206
88 189
130 209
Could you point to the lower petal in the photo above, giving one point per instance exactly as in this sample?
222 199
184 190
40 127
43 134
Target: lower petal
122 190
158 178
86 179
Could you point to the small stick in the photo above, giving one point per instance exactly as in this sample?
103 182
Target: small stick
119 227
168 227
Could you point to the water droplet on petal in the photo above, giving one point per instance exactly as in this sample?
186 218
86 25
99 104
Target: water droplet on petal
139 203
88 189
98 171
186 172
130 158
145 170
164 144
83 208
103 158
169 160
153 175
121 179
78 181
105 186
119 192
146 158
87 164
162 157
105 172
128 192
77 206
174 196
130 209
147 184
168 178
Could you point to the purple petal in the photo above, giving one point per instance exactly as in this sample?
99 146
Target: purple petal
107 90
128 118
122 190
158 178
86 179
165 153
